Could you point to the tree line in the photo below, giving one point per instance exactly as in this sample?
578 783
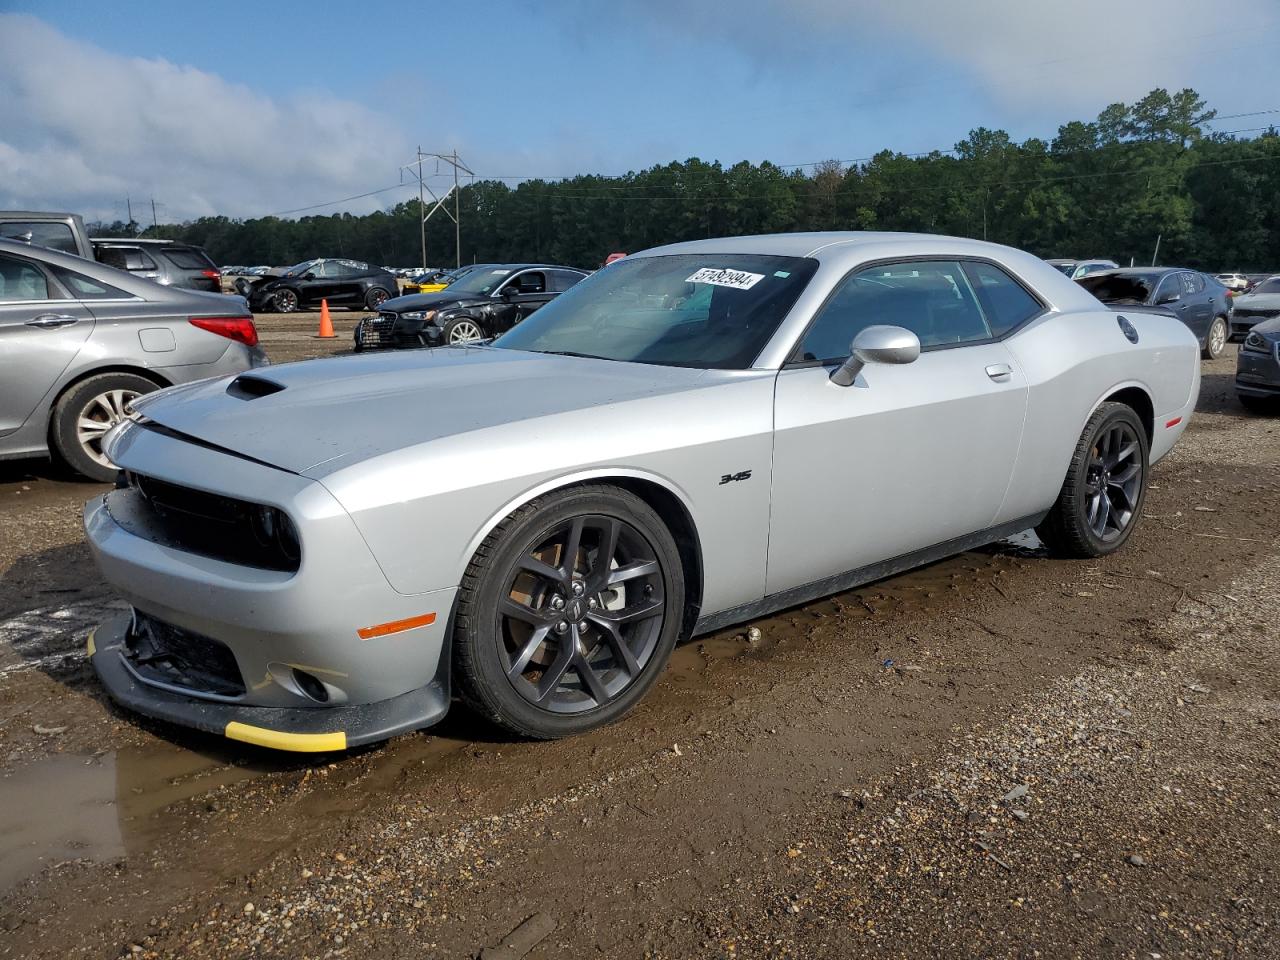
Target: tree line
1142 172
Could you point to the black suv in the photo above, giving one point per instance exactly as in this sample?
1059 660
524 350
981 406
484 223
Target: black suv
343 283
164 261
490 300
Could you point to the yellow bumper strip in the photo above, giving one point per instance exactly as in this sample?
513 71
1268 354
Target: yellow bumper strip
279 740
89 648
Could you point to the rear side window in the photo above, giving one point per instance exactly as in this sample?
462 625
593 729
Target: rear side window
186 258
20 280
126 258
931 298
1191 283
562 280
55 236
1006 302
86 288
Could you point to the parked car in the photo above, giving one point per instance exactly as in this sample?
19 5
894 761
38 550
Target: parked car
1075 269
1258 368
1236 282
442 279
1197 300
1259 304
484 303
82 340
343 283
167 262
687 440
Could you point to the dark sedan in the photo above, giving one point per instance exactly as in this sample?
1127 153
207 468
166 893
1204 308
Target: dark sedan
1261 303
343 283
1258 368
488 301
1198 300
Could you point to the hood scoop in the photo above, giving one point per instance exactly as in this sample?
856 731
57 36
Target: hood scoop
249 387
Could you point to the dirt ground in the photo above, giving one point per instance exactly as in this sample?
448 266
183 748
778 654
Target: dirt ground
998 755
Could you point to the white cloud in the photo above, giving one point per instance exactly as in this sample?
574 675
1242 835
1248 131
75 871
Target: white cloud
81 127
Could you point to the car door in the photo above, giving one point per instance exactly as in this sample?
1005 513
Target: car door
535 290
41 330
316 284
909 456
1199 303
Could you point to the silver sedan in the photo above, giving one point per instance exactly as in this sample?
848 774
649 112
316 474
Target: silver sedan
79 341
323 554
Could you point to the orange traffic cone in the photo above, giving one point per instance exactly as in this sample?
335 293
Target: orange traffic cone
326 325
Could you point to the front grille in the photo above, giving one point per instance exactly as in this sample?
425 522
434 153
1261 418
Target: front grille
163 653
209 524
1246 312
378 331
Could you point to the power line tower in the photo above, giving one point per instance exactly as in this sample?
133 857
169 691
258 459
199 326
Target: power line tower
415 168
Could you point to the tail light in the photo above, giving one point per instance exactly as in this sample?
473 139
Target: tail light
212 274
240 329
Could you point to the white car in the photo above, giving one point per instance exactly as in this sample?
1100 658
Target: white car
1234 281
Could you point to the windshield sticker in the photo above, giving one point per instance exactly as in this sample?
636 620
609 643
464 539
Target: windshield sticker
738 279
782 274
501 273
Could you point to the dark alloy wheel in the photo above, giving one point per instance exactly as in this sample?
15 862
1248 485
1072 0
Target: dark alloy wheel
375 298
569 614
284 301
1101 497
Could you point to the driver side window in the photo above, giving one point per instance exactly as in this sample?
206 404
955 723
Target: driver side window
931 298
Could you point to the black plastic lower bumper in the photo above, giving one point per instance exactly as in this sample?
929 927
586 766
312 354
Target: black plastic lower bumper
306 730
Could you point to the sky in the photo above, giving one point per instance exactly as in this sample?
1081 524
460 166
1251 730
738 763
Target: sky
247 109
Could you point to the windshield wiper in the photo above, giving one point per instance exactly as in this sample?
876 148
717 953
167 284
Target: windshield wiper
573 353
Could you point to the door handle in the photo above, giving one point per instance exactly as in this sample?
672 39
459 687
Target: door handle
51 321
1000 372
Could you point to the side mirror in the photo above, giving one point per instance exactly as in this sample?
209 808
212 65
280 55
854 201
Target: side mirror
877 344
510 292
308 276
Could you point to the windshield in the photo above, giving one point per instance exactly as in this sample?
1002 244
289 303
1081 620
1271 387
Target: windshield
711 311
1118 288
299 269
1268 286
480 281
1087 268
1065 268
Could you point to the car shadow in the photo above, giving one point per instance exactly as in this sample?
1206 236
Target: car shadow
1218 395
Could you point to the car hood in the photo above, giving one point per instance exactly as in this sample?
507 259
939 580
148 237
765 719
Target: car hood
1269 328
1257 301
426 301
319 416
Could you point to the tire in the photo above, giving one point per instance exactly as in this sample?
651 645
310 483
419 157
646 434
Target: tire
376 298
462 330
1112 443
511 663
1215 341
284 301
100 400
1263 405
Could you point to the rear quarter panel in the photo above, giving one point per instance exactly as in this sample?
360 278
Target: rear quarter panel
1072 362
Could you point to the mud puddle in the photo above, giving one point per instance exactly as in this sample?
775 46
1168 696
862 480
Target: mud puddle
97 808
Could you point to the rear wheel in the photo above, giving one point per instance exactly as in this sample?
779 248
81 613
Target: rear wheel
1215 341
83 415
1102 495
568 612
376 298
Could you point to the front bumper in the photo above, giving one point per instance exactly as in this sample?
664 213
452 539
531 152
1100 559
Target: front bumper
1258 373
279 728
390 331
335 617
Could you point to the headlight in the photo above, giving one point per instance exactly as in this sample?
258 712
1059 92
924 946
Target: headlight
1257 342
423 315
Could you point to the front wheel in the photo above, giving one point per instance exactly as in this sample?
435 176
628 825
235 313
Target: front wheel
284 301
462 330
375 298
1215 341
1102 495
568 612
83 415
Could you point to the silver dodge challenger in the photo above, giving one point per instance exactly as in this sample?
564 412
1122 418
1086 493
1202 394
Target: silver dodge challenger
322 554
